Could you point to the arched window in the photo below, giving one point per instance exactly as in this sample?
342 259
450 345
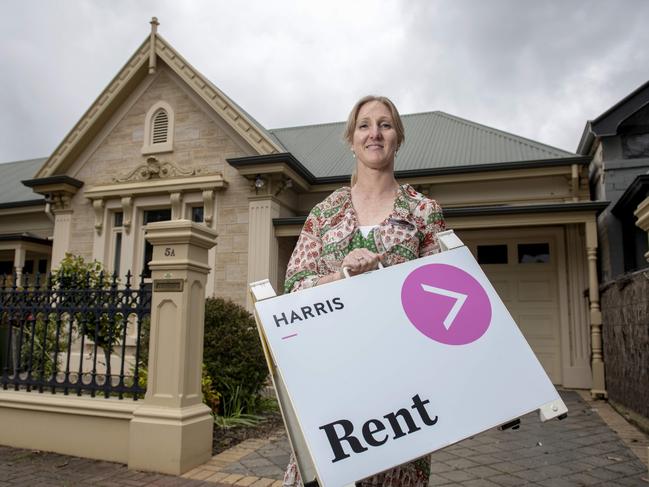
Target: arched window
158 129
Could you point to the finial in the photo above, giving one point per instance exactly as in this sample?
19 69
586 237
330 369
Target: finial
152 56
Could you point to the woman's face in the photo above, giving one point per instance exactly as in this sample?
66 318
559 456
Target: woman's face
375 139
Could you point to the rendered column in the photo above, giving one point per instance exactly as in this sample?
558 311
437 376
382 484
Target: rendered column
598 387
262 243
19 264
172 431
62 226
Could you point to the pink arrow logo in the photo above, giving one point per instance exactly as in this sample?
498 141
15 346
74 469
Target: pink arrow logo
446 304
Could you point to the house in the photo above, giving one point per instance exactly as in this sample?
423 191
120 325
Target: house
162 142
618 142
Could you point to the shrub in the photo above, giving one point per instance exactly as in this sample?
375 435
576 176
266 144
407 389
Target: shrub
75 277
232 353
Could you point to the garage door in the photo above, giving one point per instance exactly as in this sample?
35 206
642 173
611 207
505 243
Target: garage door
523 267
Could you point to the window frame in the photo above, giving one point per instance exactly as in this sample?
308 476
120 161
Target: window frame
149 147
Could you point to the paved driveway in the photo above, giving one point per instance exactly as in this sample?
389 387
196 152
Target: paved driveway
581 450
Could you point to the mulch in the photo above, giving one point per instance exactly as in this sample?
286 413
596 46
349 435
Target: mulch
224 438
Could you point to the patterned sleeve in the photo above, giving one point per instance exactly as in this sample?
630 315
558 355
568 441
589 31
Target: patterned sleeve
434 223
302 269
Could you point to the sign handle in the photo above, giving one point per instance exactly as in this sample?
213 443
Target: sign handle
346 270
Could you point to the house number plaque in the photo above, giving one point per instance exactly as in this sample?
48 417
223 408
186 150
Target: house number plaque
170 252
167 285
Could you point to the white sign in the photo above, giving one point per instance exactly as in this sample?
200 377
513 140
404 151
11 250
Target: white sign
388 366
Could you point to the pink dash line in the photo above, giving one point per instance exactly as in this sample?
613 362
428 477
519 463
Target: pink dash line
289 336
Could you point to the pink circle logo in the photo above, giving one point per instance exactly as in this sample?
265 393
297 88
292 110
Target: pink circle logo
446 304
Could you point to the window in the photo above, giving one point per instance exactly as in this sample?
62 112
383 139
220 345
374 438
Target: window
492 254
6 267
197 214
534 253
158 129
634 132
152 216
118 222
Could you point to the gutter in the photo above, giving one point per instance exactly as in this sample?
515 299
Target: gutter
304 172
597 206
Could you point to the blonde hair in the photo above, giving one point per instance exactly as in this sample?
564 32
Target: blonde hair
350 127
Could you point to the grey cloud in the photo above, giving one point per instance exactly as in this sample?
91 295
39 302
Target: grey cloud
538 69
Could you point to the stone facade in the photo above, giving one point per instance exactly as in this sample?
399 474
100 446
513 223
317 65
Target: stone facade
200 143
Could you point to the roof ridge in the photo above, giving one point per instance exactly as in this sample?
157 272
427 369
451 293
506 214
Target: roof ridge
291 127
494 131
307 126
485 128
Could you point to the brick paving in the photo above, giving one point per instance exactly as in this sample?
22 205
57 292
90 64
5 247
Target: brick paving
40 469
582 450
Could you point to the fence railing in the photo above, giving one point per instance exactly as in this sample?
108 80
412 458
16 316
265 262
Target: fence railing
90 338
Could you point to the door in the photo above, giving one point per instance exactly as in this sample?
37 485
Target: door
523 266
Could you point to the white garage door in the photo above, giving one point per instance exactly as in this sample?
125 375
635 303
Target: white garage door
523 266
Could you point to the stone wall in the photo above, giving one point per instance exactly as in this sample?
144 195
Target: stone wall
202 142
625 316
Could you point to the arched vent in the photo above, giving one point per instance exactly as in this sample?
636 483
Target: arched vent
160 127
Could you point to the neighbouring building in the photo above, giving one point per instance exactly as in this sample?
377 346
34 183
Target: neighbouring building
162 142
618 142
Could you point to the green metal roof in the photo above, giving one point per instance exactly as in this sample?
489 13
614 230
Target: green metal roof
11 175
433 140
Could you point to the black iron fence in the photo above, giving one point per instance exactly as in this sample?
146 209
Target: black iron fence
86 339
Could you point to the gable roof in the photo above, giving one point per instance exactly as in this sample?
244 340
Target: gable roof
608 122
12 192
434 140
127 79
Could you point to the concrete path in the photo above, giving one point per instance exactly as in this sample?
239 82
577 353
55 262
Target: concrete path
593 446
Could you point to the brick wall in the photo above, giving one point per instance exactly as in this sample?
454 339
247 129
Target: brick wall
625 316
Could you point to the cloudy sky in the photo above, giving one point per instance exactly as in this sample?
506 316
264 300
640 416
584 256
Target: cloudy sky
539 69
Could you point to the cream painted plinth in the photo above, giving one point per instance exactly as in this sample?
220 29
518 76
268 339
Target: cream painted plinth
172 431
170 440
85 427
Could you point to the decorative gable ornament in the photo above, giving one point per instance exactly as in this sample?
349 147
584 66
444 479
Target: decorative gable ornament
155 169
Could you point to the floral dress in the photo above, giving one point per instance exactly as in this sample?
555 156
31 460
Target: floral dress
330 232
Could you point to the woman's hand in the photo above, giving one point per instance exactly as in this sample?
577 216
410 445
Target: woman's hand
359 261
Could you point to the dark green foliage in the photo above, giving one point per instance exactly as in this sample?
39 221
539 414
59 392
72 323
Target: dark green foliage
81 282
232 353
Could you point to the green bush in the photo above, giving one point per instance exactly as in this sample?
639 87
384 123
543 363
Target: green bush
75 279
232 353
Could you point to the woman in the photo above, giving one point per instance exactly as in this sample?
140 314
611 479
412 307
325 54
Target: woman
376 220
